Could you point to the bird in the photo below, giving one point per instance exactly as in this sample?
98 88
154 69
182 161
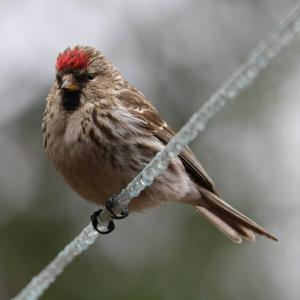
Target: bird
100 132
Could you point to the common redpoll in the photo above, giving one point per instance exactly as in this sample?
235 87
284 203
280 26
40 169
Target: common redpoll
100 132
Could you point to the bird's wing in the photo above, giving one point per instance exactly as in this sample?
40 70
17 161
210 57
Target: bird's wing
141 108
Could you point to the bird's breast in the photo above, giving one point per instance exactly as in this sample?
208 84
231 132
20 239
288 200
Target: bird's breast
94 165
98 157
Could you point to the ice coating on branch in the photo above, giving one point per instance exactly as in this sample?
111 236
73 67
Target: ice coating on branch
42 281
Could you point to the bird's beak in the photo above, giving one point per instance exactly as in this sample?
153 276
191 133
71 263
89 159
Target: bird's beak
69 83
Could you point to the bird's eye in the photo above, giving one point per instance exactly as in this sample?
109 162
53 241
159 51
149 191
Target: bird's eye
81 77
59 79
91 76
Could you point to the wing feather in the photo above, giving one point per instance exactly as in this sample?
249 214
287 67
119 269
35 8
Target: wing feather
141 108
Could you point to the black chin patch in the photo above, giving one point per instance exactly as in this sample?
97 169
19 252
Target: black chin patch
70 100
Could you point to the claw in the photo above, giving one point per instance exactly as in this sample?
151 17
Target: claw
110 204
95 222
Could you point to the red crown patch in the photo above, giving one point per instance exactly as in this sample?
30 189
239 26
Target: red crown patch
72 59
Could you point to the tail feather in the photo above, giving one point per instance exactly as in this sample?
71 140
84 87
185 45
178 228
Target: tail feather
248 234
228 220
228 230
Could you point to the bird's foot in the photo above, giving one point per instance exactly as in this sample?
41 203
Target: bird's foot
103 227
101 219
116 211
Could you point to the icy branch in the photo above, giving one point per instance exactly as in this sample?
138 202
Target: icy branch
42 281
241 79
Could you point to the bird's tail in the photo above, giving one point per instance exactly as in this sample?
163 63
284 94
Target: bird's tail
228 220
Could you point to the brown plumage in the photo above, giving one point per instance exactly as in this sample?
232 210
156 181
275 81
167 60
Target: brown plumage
99 131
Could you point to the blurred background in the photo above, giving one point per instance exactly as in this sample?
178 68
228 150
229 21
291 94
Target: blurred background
177 52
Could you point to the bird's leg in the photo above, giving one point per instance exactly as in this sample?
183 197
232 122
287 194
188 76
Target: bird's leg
102 218
116 210
102 226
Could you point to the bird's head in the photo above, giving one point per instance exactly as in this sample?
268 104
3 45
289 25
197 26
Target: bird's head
82 70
